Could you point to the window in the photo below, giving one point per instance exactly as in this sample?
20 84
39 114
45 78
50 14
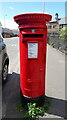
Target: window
54 26
49 27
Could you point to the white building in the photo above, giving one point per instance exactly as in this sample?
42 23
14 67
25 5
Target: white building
63 23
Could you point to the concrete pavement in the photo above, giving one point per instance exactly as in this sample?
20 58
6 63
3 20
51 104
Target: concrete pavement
55 84
55 69
55 74
12 45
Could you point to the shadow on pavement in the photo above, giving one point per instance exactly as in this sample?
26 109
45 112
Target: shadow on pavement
58 107
4 84
11 94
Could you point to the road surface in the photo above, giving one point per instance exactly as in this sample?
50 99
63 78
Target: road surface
13 52
55 81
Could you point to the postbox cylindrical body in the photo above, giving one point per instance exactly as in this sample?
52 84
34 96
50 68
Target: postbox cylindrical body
33 41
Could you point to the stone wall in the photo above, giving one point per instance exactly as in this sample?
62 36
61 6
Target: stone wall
55 41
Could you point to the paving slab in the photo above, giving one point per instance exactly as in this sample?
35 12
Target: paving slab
58 108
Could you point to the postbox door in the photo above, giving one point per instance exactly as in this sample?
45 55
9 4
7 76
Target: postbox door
35 69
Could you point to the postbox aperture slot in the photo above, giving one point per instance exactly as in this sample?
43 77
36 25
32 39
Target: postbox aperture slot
33 36
32 50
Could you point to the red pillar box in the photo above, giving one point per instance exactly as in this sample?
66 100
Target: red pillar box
33 41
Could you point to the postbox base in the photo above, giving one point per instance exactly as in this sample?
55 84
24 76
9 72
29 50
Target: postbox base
38 100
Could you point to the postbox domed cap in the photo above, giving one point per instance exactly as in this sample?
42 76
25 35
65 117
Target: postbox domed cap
32 17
